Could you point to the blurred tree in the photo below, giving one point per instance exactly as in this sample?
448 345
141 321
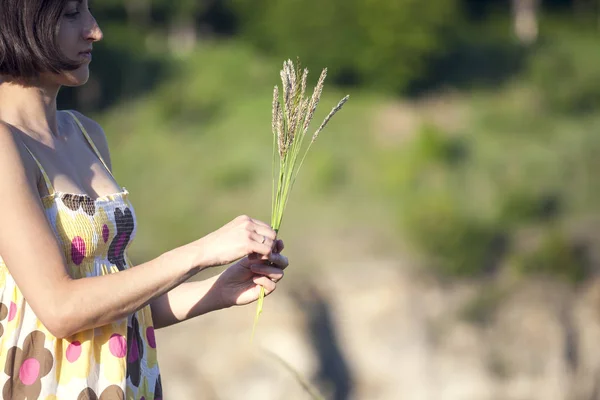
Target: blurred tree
525 20
380 42
138 12
565 69
477 10
181 20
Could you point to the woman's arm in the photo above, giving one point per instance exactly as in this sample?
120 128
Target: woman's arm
65 305
238 285
187 301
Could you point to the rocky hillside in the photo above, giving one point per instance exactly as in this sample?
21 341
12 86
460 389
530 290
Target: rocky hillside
389 333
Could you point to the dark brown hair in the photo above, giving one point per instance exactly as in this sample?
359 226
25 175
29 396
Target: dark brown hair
28 32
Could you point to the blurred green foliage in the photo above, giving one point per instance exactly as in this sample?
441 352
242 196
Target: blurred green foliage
380 43
566 72
429 178
509 188
556 255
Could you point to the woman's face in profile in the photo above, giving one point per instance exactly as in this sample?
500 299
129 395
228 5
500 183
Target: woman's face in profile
78 30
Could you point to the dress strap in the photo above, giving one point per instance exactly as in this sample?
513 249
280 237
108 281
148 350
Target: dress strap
90 141
44 174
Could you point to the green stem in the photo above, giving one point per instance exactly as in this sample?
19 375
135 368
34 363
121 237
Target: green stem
259 306
273 174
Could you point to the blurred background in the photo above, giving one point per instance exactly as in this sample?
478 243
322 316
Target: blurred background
444 231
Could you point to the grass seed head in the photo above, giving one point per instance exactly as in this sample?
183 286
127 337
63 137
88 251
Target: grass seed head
275 112
285 83
290 75
303 84
280 131
314 101
331 114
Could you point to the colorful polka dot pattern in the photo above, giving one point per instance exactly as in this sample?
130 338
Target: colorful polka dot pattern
117 361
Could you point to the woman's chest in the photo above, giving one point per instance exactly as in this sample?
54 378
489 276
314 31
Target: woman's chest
92 232
73 168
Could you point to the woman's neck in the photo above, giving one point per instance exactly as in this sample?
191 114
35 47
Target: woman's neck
31 108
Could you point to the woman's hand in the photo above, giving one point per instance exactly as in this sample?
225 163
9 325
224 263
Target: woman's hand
241 237
240 284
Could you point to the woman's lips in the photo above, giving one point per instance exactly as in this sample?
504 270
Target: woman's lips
87 55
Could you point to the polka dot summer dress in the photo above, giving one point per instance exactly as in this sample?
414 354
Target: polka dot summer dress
113 362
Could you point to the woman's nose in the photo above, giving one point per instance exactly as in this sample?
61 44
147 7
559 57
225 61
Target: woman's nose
92 32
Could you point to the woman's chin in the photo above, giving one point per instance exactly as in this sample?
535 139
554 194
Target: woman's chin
77 77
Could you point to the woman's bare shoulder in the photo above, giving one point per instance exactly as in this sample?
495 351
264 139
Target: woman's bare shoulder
97 134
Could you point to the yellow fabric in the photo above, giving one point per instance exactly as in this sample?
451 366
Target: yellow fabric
116 361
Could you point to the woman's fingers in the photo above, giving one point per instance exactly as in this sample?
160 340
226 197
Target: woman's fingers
276 260
273 273
265 282
279 260
261 239
279 246
262 249
260 223
262 235
265 231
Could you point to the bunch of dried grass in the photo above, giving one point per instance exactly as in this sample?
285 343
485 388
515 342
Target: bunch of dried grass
290 124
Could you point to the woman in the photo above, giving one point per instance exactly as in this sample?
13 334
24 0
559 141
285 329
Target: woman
76 321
